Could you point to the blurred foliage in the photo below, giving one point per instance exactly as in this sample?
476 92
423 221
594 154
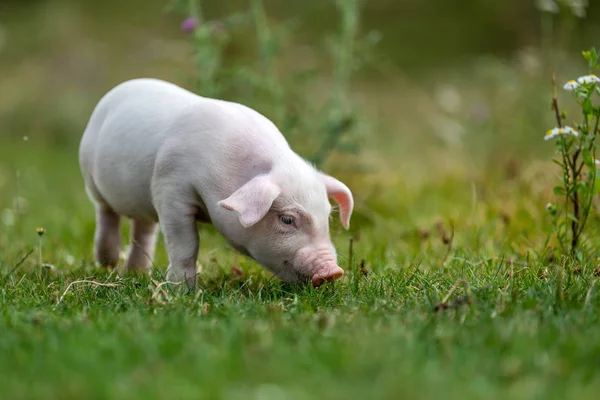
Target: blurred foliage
453 87
315 127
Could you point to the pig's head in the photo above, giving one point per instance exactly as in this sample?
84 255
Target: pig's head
285 223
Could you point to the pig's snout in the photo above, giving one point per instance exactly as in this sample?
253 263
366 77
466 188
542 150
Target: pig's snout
317 264
329 274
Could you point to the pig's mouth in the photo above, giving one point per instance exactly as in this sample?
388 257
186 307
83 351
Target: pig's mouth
291 275
328 274
318 267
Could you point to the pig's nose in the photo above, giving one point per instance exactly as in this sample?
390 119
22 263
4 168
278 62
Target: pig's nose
330 274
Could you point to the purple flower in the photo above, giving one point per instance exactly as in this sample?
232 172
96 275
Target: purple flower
189 24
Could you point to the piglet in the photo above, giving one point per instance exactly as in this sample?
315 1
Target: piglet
163 156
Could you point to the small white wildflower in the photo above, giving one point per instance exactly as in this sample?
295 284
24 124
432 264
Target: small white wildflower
551 133
588 79
547 6
597 162
566 130
25 138
570 131
571 85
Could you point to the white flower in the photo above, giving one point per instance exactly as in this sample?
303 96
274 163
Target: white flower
571 85
582 80
566 130
588 79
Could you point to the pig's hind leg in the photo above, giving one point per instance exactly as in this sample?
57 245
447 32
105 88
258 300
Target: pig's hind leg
143 244
107 238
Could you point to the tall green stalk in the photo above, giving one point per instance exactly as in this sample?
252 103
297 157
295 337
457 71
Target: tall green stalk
343 53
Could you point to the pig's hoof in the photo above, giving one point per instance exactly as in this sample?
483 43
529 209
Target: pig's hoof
187 278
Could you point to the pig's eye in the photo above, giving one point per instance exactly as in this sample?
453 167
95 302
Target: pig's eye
286 220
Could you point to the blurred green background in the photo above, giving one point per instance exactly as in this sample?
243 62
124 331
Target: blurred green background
454 91
57 57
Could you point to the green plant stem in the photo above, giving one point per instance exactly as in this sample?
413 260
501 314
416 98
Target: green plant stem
268 73
590 197
566 179
564 155
194 10
208 52
342 57
40 242
575 200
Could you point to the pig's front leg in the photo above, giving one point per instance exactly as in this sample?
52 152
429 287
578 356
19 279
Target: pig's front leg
178 225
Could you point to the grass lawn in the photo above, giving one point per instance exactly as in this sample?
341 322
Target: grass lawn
509 322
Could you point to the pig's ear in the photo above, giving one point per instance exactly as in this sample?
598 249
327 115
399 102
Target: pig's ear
253 200
342 195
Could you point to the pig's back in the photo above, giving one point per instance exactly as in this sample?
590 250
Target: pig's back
118 149
218 145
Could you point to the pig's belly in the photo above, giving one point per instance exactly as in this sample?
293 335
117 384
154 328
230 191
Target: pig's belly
123 180
129 199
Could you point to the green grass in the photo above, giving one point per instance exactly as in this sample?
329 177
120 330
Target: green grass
529 330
